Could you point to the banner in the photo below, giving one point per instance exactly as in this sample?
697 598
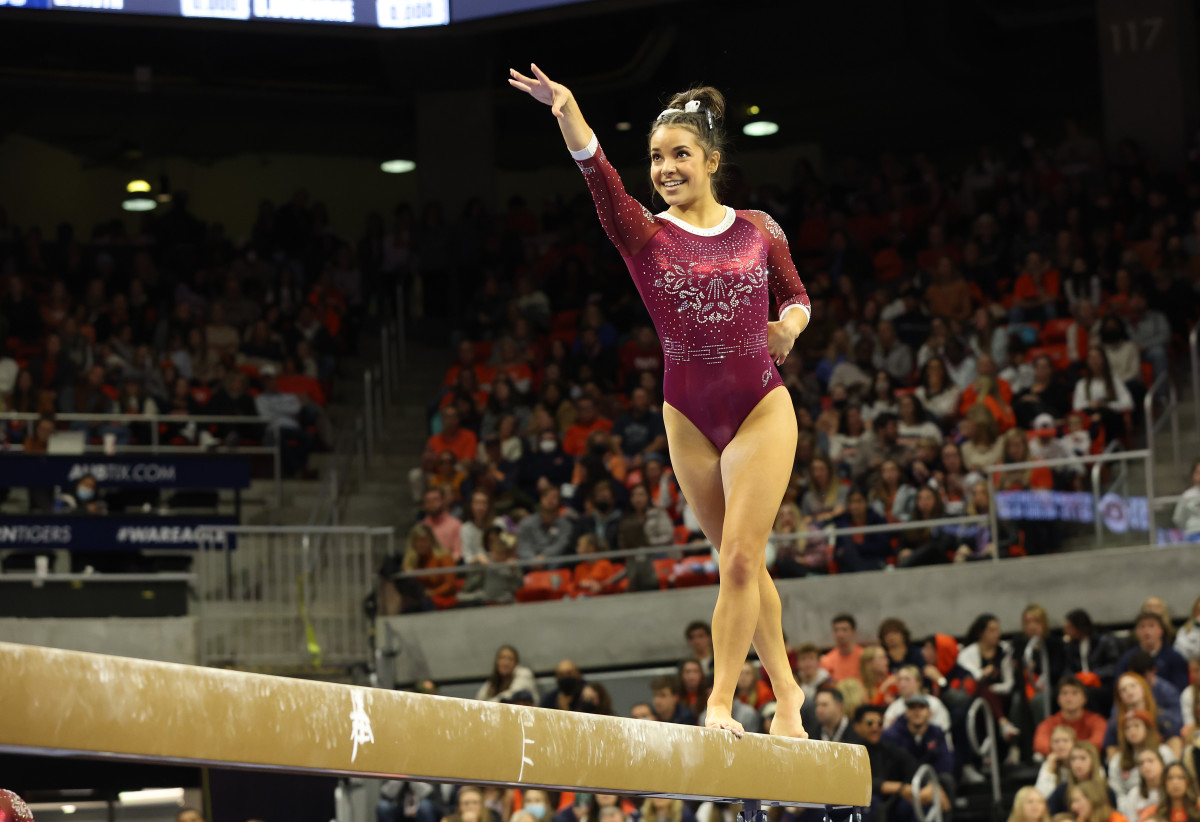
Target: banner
116 533
1119 514
125 470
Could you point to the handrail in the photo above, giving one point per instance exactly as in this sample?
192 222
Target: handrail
982 748
924 774
1096 495
1194 350
226 450
676 549
166 576
71 416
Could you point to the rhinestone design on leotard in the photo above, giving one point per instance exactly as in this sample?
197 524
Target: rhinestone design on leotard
708 293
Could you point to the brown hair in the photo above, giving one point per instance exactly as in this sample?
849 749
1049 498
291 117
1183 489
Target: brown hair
1097 796
710 139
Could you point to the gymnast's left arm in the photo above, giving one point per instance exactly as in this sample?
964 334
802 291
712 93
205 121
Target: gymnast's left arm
790 294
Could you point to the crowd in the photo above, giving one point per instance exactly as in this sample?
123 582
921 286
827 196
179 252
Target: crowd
177 319
1107 728
1018 309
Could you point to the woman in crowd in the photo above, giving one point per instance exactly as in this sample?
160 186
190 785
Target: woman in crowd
982 447
860 552
1136 733
896 640
937 393
978 543
986 391
986 336
1056 769
844 445
951 476
989 661
1103 397
1133 695
1123 356
1083 765
826 496
502 401
879 683
592 577
644 525
927 546
801 554
1181 800
423 552
1090 803
1029 805
1147 794
695 686
881 399
1040 663
892 498
1186 518
914 422
662 809
508 676
1046 396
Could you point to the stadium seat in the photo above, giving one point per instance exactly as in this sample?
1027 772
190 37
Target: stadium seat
664 568
692 572
1055 331
541 586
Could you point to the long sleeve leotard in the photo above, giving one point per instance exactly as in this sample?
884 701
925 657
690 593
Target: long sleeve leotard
706 291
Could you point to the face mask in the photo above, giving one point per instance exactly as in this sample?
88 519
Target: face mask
547 446
538 810
604 506
589 707
599 449
569 685
85 494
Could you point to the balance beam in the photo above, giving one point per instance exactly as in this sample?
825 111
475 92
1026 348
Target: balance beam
66 703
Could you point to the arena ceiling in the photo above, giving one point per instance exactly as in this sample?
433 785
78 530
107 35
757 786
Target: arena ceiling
848 74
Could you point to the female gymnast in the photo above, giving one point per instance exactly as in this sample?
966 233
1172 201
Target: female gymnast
703 271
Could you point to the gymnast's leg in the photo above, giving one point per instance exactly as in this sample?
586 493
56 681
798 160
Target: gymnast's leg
699 468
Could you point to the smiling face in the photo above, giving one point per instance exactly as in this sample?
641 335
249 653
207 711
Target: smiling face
680 170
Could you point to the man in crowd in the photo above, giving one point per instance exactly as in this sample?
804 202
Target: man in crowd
1088 726
699 639
809 673
667 705
641 431
925 742
908 684
832 723
892 769
569 685
447 528
1150 631
546 533
842 661
644 711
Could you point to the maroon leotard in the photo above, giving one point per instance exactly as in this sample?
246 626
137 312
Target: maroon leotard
706 291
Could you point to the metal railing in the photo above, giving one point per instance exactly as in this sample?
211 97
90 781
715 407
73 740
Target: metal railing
1171 414
1098 491
988 749
926 775
287 595
1194 351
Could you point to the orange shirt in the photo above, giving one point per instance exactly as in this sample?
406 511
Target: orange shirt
969 396
484 375
599 571
438 585
575 440
843 666
464 444
1026 288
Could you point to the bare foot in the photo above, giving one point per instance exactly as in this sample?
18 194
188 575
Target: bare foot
787 720
719 717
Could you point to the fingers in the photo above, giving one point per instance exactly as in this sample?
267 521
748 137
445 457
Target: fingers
541 75
520 86
527 80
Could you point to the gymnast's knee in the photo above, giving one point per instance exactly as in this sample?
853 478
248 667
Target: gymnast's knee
739 562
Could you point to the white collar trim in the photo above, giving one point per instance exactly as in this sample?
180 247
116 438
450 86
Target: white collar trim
719 228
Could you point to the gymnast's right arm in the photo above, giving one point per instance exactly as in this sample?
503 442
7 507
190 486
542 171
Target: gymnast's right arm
626 221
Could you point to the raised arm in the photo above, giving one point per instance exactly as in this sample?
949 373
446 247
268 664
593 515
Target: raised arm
626 221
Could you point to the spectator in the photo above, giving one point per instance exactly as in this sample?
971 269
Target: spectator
603 519
481 515
948 296
1040 661
1055 769
937 393
851 433
1029 805
883 444
989 661
85 498
1181 800
1137 734
1090 804
891 355
1036 291
809 673
931 545
892 769
641 432
498 578
461 441
832 723
644 711
1122 354
586 421
879 684
1045 396
860 552
1147 794
1091 654
643 525
233 400
664 809
287 417
800 553
1080 285
507 678
546 533
843 662
695 686
1151 630
1084 767
915 424
1084 724
424 552
1187 640
891 498
1186 518
982 447
1134 693
896 640
699 638
447 529
826 497
545 464
568 688
881 399
448 479
908 684
924 741
1149 331
668 706
1102 396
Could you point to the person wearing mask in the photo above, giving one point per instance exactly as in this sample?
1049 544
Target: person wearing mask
568 688
547 463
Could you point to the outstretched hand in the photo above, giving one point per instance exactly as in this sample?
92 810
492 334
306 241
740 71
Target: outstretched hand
541 88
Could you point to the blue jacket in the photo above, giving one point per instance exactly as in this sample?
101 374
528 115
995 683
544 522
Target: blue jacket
931 750
1169 663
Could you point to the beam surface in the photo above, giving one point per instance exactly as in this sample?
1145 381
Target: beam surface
69 703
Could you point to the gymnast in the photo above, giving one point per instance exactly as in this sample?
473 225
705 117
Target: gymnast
703 271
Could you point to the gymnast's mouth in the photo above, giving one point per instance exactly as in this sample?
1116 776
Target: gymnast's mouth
673 183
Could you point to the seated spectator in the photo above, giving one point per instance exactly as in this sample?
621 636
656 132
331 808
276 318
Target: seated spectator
587 420
897 642
1151 632
881 399
546 533
832 723
892 769
498 577
937 393
1016 371
1149 332
986 336
1046 395
591 577
982 446
1055 769
826 496
1084 767
668 706
544 464
908 685
891 498
1104 397
1091 804
809 673
989 661
695 686
507 678
879 684
891 355
503 401
842 662
948 296
882 444
927 546
643 525
1036 291
1187 639
915 424
750 689
1091 651
602 517
1134 693
449 479
640 433
91 396
699 639
479 517
1148 794
568 688
927 744
233 400
987 392
1084 724
978 543
423 552
1186 517
1137 736
84 498
799 553
1179 796
663 809
951 477
447 528
860 552
461 441
286 416
1029 805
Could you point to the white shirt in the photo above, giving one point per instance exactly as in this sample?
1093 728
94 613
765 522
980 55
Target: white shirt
1096 390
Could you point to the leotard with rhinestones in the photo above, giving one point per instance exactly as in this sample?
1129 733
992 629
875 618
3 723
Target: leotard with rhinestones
706 291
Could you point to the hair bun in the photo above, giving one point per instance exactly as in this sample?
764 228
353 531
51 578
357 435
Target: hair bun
708 98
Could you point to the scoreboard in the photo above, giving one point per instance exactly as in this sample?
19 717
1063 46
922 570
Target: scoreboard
387 14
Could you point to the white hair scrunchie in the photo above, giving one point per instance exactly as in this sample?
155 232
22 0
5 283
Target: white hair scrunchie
690 107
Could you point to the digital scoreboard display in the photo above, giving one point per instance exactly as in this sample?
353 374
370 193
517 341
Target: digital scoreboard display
387 14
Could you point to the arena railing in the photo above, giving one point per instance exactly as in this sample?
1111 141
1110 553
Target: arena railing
1194 351
988 748
926 775
1170 413
155 447
286 596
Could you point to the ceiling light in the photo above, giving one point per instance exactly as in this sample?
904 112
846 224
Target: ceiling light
760 128
137 186
397 166
624 125
139 202
754 109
